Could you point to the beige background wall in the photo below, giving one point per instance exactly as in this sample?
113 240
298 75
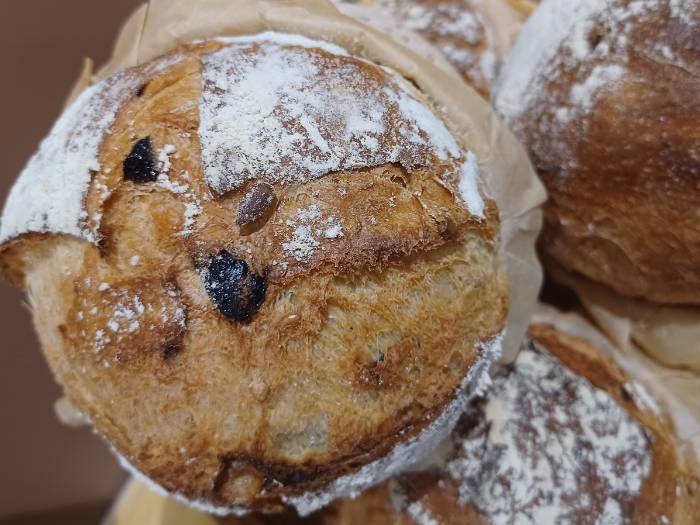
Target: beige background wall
42 464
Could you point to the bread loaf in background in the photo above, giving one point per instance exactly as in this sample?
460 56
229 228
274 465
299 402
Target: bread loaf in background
564 437
469 38
603 93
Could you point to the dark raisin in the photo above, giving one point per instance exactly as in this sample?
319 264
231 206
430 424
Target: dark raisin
141 90
139 166
255 204
237 292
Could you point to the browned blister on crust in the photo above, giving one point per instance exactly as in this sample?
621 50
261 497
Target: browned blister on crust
236 361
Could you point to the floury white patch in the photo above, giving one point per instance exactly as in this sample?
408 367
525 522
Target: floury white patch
293 123
277 110
554 437
49 195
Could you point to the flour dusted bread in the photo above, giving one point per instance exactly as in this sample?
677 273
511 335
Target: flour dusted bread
604 95
457 34
563 437
264 268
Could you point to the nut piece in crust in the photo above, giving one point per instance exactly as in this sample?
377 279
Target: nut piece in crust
255 204
604 96
284 365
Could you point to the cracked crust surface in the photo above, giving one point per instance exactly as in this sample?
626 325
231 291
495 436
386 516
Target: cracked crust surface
357 347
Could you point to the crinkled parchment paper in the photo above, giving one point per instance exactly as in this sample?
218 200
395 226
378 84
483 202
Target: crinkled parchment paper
669 334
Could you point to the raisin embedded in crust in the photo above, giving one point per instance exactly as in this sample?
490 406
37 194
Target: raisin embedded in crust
139 166
237 292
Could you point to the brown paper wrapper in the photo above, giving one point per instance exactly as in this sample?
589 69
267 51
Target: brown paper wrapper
507 18
666 333
161 25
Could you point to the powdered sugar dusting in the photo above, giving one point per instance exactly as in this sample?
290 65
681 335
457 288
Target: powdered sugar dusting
279 110
685 10
127 313
62 169
164 158
420 515
552 24
192 211
549 446
585 44
302 244
49 195
334 228
561 35
405 454
285 39
612 513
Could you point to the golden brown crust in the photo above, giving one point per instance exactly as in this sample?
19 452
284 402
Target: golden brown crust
622 174
669 493
355 349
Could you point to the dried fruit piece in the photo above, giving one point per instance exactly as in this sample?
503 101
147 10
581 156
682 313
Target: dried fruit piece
255 204
139 166
237 292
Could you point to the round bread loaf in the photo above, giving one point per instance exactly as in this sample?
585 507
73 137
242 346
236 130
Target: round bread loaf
564 437
460 30
263 267
603 93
